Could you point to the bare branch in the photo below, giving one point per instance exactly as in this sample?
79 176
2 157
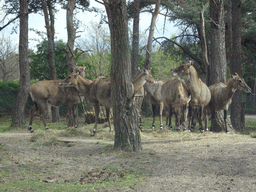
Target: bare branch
39 72
185 51
1 28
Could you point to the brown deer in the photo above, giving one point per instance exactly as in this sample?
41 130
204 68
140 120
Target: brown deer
221 96
99 92
153 92
81 70
175 97
47 93
200 93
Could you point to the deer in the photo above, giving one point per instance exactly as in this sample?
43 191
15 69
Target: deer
81 70
200 93
221 96
99 92
153 92
47 93
175 97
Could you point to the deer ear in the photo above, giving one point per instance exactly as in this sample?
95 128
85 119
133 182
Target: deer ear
144 70
78 73
191 62
189 98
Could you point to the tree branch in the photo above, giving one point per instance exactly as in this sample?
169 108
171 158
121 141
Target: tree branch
1 28
38 72
185 51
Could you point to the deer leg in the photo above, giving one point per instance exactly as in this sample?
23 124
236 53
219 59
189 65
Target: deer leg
68 112
205 120
170 118
225 120
191 122
154 115
96 111
42 115
108 118
200 119
161 115
177 119
75 114
212 119
32 112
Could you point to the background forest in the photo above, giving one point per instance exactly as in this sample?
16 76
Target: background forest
94 50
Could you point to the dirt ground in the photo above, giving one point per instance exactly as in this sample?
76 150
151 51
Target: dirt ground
216 162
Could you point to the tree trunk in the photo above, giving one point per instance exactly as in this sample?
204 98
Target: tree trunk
229 31
70 53
151 35
204 43
52 68
24 85
71 37
127 135
235 66
135 40
218 51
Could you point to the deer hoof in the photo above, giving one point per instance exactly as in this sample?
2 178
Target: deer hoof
227 132
30 129
153 127
46 128
76 126
93 133
161 127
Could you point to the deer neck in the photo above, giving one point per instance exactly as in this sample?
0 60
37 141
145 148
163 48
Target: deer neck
193 78
138 83
84 85
230 90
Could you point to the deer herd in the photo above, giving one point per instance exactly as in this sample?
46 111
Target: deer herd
187 98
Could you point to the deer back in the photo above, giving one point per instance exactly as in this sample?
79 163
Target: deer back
101 91
174 93
48 91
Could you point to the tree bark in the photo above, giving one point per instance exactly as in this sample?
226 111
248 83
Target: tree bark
236 106
127 135
52 68
135 40
204 43
151 35
24 85
71 60
218 51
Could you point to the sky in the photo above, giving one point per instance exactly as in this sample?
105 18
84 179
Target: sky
36 21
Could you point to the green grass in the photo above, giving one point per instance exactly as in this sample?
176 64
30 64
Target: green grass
132 177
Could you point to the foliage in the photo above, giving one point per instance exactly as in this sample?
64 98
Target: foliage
9 91
97 43
39 61
162 64
249 41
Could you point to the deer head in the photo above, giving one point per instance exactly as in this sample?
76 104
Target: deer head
183 69
240 84
70 81
145 75
81 70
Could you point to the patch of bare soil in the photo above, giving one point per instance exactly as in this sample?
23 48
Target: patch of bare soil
216 162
